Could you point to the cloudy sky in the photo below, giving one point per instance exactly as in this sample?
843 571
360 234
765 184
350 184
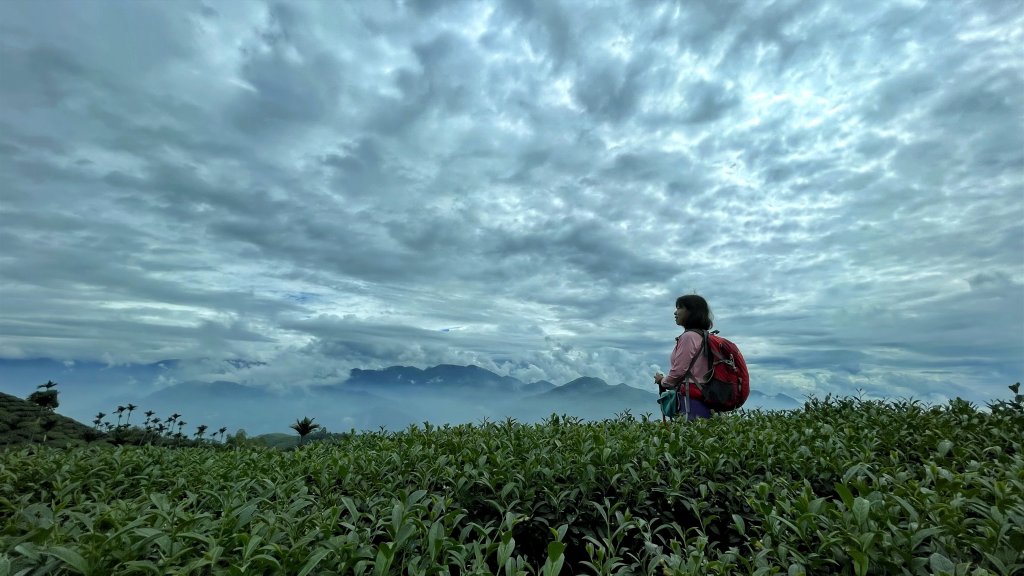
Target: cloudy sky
523 185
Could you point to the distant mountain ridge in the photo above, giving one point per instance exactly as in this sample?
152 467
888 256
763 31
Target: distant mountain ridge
392 397
442 376
218 389
396 396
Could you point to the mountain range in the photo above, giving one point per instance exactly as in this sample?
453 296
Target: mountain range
390 398
397 396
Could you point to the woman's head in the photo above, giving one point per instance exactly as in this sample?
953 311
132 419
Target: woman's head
692 312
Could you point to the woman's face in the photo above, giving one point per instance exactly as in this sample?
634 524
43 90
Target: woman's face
681 315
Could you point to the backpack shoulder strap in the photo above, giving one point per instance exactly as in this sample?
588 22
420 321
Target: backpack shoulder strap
703 348
707 349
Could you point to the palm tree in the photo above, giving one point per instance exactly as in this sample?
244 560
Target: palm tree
130 408
120 410
49 384
170 423
151 422
223 430
304 427
200 430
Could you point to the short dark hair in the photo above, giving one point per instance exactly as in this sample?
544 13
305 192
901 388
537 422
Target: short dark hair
698 314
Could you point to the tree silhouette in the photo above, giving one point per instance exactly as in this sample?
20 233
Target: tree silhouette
151 421
223 430
120 411
130 408
304 427
171 423
49 384
46 399
200 430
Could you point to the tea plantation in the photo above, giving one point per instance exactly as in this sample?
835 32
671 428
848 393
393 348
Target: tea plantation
842 486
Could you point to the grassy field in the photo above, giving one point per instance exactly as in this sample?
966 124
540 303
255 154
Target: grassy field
841 487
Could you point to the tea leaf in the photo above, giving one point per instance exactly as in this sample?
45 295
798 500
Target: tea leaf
741 526
940 564
861 508
944 447
845 494
314 559
69 557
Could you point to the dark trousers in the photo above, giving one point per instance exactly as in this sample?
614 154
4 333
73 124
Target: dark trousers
698 409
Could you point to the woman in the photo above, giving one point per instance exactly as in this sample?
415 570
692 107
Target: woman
693 314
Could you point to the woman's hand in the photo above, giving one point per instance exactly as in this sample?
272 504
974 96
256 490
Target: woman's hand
658 377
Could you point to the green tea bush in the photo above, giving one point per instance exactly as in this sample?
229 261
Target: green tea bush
843 486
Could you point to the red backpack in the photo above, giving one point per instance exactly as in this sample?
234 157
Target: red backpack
727 382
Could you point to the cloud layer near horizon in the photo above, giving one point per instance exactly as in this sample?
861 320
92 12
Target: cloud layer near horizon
526 186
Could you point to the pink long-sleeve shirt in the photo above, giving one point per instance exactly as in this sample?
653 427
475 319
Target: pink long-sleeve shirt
687 346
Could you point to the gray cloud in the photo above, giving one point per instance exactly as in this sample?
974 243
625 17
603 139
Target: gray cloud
291 80
324 186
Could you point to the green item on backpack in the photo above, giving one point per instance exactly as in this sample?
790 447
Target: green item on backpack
669 404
